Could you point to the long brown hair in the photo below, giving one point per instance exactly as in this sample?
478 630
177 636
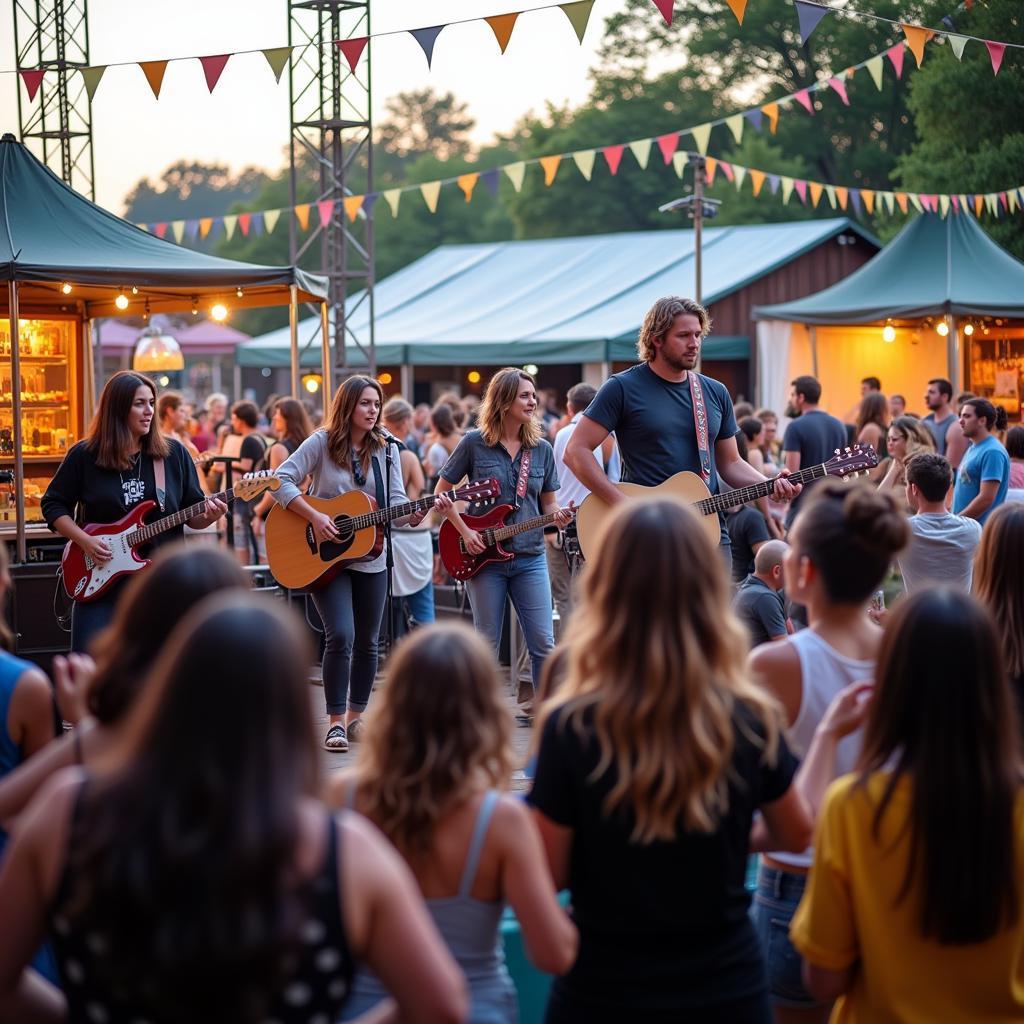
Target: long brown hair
942 719
110 440
296 420
874 408
179 578
339 423
999 580
185 858
501 392
659 319
657 670
440 733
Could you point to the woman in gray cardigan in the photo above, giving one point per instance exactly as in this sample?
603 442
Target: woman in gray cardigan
348 453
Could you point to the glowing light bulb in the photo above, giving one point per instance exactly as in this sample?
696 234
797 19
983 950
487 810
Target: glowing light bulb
311 382
66 288
942 328
385 378
968 329
239 292
121 301
135 289
219 311
889 333
473 376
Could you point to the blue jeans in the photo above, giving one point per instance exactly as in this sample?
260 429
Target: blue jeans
91 617
774 904
421 604
350 608
525 581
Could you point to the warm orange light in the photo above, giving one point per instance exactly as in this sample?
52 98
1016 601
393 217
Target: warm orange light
219 312
385 378
121 301
66 288
889 333
473 376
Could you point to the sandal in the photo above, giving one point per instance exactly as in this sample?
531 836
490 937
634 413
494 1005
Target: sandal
336 740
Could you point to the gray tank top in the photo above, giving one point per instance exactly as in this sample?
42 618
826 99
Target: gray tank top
470 929
938 430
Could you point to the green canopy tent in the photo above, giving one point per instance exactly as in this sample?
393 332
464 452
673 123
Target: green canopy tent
935 273
62 254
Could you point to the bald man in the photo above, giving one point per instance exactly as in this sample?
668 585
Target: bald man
759 602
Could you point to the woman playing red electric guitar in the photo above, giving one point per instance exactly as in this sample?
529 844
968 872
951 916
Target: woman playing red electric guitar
108 474
509 446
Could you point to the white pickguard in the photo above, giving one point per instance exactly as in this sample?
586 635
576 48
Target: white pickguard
124 560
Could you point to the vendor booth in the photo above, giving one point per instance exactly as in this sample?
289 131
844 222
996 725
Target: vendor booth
67 261
941 300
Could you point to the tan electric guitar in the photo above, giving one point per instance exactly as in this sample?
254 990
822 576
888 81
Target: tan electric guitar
691 489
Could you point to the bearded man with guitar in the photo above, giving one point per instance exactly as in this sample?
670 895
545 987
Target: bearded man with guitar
651 410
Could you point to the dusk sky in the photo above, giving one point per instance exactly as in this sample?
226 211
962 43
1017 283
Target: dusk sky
245 121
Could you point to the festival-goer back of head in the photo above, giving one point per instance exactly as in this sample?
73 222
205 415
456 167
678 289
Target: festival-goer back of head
154 603
207 887
432 776
841 547
914 900
655 752
999 585
873 419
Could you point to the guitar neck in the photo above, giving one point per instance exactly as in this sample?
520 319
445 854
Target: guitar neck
381 516
500 533
151 530
741 495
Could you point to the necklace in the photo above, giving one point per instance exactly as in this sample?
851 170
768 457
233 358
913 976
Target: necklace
133 489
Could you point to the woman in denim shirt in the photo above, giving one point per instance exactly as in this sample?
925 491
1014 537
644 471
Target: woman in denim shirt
509 429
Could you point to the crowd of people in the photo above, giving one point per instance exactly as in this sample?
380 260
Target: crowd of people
174 853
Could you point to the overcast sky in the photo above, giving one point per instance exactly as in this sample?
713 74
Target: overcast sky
245 121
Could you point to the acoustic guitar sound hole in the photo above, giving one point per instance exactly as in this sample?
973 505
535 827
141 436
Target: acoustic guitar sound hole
332 549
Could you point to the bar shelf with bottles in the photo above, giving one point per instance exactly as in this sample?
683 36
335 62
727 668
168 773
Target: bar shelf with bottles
50 421
996 364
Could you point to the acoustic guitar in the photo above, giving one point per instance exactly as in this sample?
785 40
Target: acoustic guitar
691 489
86 579
298 560
491 527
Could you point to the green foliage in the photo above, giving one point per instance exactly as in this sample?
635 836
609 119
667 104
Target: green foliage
970 123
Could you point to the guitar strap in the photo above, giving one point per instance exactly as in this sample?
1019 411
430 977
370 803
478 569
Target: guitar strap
160 477
700 423
378 483
524 475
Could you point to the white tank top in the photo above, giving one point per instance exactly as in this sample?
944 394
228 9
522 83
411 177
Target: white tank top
823 673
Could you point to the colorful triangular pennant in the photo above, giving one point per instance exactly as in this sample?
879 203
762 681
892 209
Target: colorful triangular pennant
874 66
830 191
213 68
787 188
756 180
270 219
352 204
809 15
739 175
578 14
244 222
92 77
393 196
803 97
738 7
277 58
302 215
735 125
995 53
467 182
668 144
430 190
205 225
702 136
842 194
666 7
426 37
679 162
755 117
325 208
550 165
816 189
33 78
352 50
178 230
502 26
944 205
771 111
957 44
584 160
613 157
840 88
516 172
230 222
916 38
641 149
154 72
868 195
490 179
801 189
895 54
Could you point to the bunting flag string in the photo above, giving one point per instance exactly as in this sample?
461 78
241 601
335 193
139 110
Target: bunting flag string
810 13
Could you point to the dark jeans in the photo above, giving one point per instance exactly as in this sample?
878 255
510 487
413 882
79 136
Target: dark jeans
91 617
350 608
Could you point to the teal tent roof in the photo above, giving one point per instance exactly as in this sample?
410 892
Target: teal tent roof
933 266
552 300
49 234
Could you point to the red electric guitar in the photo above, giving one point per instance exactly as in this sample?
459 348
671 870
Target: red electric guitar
86 580
491 527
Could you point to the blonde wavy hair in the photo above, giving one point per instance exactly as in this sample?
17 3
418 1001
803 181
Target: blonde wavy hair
501 392
998 583
440 733
656 670
339 423
659 320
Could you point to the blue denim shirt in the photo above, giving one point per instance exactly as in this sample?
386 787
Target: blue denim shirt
478 460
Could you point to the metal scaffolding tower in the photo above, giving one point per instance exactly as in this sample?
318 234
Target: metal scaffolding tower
331 144
54 35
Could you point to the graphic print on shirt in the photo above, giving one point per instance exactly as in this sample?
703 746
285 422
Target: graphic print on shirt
134 489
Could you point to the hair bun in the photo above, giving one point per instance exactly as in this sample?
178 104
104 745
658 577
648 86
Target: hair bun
874 518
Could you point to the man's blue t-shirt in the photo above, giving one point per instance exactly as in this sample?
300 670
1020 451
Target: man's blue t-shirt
815 435
652 419
986 460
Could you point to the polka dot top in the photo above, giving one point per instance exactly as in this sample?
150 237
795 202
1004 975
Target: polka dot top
317 974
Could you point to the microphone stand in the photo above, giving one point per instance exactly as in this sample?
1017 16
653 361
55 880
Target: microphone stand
389 557
229 519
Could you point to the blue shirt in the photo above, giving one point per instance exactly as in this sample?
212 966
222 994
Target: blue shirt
986 460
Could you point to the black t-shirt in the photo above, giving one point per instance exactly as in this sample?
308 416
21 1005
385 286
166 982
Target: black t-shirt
761 609
106 495
746 528
663 926
652 419
815 435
